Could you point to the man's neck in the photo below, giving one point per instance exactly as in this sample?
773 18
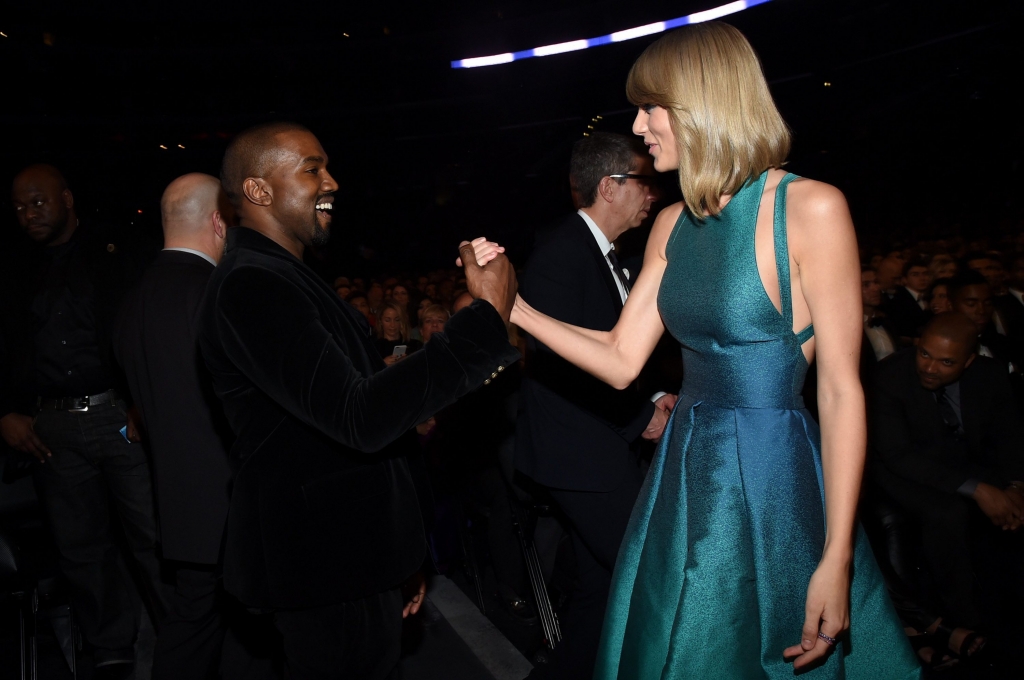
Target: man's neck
870 311
277 235
187 244
69 231
602 220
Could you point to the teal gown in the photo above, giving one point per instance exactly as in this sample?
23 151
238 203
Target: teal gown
712 576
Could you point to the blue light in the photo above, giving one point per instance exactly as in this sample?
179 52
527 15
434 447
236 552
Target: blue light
618 36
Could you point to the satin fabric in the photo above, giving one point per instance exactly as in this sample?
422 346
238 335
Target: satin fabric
712 576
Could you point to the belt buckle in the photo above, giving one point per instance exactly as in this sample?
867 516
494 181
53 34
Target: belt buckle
77 408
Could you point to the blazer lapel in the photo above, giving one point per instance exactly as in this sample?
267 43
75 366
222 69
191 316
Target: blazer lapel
603 268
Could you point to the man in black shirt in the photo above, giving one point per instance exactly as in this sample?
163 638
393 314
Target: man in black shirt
58 403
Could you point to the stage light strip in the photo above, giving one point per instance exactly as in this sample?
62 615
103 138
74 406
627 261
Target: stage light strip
618 36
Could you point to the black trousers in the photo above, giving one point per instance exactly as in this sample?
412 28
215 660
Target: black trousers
596 522
354 640
94 468
206 634
962 548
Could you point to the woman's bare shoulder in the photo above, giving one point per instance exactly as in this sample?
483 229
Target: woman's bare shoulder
811 197
662 229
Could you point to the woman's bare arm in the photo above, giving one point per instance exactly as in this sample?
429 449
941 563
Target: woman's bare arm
618 355
824 246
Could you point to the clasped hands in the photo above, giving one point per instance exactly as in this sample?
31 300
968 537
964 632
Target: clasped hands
1004 507
489 274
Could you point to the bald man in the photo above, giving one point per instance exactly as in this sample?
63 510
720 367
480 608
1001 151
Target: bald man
155 342
950 452
60 404
325 524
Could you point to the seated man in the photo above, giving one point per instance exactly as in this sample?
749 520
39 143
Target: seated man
950 452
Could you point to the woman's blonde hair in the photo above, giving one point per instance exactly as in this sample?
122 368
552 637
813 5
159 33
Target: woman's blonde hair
403 322
727 128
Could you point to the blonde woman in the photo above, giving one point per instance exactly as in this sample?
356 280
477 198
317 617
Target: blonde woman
393 331
742 547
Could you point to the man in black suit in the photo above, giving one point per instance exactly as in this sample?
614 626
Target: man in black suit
971 294
574 432
156 344
907 309
878 341
324 525
1010 306
61 403
950 451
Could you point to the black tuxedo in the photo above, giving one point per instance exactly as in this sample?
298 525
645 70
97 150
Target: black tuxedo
323 508
904 313
920 466
574 432
1011 312
155 341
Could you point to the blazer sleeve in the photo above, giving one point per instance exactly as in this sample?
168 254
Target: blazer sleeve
556 286
893 440
273 334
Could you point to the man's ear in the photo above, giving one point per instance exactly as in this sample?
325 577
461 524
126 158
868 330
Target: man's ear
970 360
220 227
606 189
68 197
256 190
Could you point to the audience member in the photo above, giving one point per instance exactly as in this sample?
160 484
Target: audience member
432 321
392 332
938 297
907 309
949 452
325 523
1010 306
942 266
878 341
971 295
358 300
61 406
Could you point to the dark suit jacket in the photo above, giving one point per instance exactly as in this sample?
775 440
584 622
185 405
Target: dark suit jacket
1011 311
905 315
574 431
912 441
155 341
323 508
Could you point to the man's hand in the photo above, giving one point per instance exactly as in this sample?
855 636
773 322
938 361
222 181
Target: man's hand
495 282
663 409
17 431
1000 506
134 425
414 590
667 402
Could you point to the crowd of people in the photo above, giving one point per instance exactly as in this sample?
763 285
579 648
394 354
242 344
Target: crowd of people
222 438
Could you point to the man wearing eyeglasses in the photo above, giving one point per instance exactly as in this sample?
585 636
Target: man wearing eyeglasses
575 434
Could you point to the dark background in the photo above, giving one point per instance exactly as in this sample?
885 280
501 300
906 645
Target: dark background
920 126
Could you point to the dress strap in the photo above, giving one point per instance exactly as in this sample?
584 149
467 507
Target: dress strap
782 257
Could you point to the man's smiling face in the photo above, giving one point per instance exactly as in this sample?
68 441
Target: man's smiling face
303 190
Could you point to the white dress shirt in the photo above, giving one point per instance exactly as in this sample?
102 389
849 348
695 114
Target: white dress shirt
606 247
195 252
881 343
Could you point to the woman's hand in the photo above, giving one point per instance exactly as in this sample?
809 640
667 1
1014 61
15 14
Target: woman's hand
517 309
485 251
391 360
827 611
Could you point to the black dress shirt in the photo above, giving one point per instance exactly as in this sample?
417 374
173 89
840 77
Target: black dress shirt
68 357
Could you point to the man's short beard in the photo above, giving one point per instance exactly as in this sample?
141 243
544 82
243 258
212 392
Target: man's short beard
320 236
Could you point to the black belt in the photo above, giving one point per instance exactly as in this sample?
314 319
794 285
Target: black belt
78 403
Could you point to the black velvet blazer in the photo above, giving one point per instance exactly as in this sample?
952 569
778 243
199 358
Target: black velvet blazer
323 507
